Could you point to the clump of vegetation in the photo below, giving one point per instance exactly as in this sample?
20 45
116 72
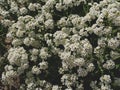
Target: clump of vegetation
60 44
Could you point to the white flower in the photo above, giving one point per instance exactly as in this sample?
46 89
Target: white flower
4 13
31 34
76 22
64 66
17 56
37 6
113 43
6 22
98 51
14 7
9 35
79 62
60 37
105 87
98 31
50 3
8 67
86 47
40 19
35 52
68 79
87 18
110 64
75 38
36 70
23 10
38 89
26 18
22 1
33 58
32 7
20 70
62 22
90 67
49 24
93 85
59 6
26 41
82 72
118 35
114 55
68 89
83 32
68 2
48 16
34 43
25 66
31 25
80 87
75 46
102 42
44 53
43 65
20 33
11 73
31 86
20 24
56 87
9 77
65 56
107 30
105 79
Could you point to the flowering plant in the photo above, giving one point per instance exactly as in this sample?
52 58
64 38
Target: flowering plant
61 44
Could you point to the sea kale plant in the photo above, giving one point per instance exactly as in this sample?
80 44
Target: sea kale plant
60 44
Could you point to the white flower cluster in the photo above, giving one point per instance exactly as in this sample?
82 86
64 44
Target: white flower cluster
17 56
109 64
56 48
65 4
104 84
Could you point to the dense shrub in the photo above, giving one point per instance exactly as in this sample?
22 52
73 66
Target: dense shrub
61 44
